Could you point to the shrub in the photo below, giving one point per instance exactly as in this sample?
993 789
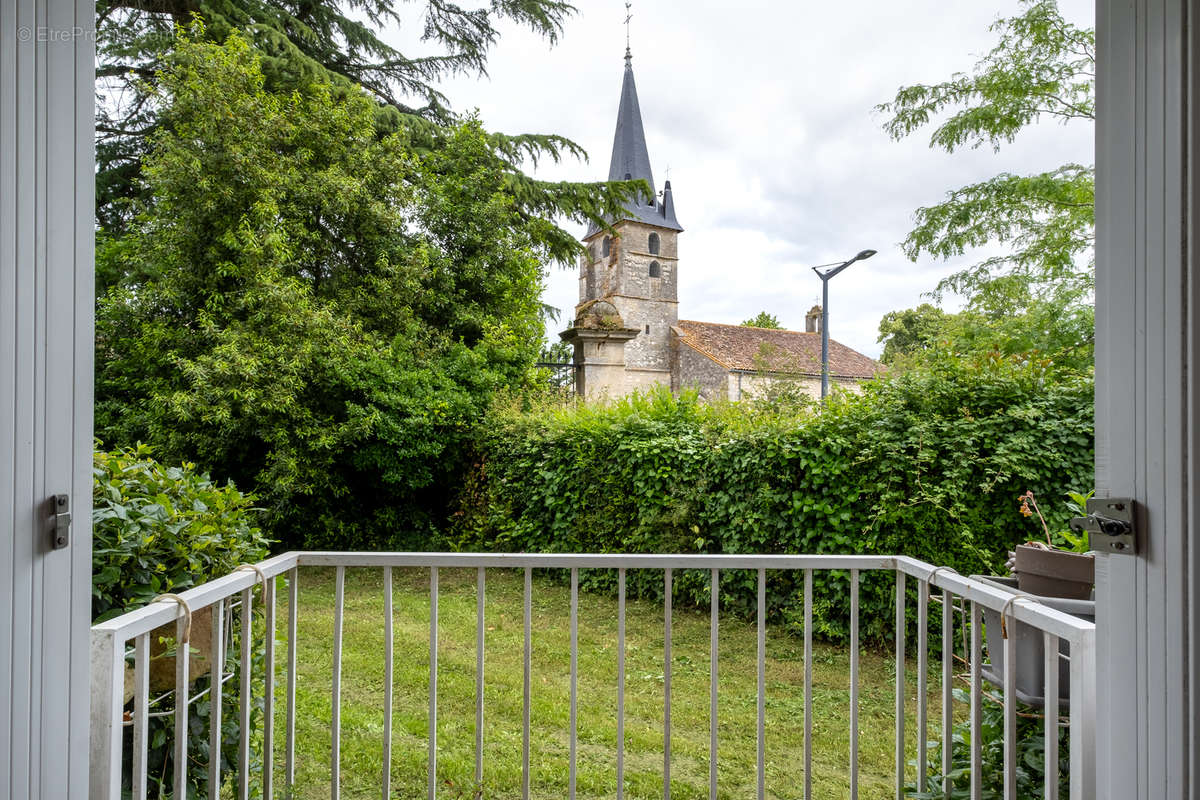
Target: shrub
926 464
165 529
1030 756
162 529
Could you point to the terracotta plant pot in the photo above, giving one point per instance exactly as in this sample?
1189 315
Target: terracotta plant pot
1055 573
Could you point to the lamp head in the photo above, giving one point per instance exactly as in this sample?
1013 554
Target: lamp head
864 255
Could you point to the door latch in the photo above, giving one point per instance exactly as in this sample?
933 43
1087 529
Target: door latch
60 521
1111 525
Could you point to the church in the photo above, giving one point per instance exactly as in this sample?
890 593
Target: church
626 333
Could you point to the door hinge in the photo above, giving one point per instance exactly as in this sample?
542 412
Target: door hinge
60 521
1111 525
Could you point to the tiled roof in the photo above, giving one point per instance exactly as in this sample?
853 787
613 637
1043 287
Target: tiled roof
744 348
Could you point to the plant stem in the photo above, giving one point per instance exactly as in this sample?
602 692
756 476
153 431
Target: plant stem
1045 527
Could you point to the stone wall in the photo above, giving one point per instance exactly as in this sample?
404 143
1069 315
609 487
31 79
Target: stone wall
694 370
653 319
600 361
647 302
637 380
749 385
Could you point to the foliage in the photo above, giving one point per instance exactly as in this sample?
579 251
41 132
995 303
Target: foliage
918 464
906 332
763 320
160 731
1043 67
1065 538
1060 332
1030 758
316 312
159 529
325 41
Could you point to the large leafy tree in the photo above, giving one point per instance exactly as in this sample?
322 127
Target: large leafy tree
1042 68
1041 330
312 309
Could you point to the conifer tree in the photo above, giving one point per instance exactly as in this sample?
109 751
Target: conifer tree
341 41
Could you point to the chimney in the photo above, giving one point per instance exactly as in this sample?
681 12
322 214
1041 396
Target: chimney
812 320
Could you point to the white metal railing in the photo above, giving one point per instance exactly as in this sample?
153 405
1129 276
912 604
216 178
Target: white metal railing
114 641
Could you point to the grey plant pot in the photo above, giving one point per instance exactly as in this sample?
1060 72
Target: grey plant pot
1031 673
1054 573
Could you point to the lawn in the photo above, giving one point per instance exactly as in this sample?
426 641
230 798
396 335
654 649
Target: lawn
362 696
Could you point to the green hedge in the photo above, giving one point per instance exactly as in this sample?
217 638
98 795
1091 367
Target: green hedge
927 464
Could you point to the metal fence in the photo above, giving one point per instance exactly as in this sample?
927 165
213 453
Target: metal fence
560 376
127 638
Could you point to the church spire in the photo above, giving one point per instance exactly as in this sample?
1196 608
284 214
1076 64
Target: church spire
631 158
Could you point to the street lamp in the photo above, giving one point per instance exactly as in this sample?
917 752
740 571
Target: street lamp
825 272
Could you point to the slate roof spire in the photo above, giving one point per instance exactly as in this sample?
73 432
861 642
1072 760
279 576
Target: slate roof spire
631 157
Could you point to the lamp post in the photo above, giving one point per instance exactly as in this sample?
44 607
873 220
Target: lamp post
825 272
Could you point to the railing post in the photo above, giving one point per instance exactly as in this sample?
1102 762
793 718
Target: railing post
901 628
108 696
853 684
1083 716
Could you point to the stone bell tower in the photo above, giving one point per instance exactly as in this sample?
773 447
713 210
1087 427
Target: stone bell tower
632 276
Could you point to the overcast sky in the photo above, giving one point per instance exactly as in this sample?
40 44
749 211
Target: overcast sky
762 113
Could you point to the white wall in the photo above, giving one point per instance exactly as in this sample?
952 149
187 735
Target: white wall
46 241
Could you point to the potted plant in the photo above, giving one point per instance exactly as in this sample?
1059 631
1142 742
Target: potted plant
1060 566
1060 573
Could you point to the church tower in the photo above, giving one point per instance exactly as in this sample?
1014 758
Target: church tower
628 282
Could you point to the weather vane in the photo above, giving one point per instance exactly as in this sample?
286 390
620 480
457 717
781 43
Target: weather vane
628 19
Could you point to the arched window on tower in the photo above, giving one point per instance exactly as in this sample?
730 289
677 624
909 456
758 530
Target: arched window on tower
606 248
655 269
655 244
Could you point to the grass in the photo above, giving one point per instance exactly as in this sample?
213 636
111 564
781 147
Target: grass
362 697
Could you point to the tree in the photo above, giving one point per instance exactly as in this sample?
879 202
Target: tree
1042 68
338 43
763 320
905 333
318 312
1041 330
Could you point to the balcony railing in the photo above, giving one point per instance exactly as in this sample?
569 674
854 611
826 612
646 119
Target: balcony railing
127 638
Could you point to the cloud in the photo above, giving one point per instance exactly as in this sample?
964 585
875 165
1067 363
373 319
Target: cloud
763 113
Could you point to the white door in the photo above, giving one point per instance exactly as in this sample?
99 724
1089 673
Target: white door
46 240
1146 396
